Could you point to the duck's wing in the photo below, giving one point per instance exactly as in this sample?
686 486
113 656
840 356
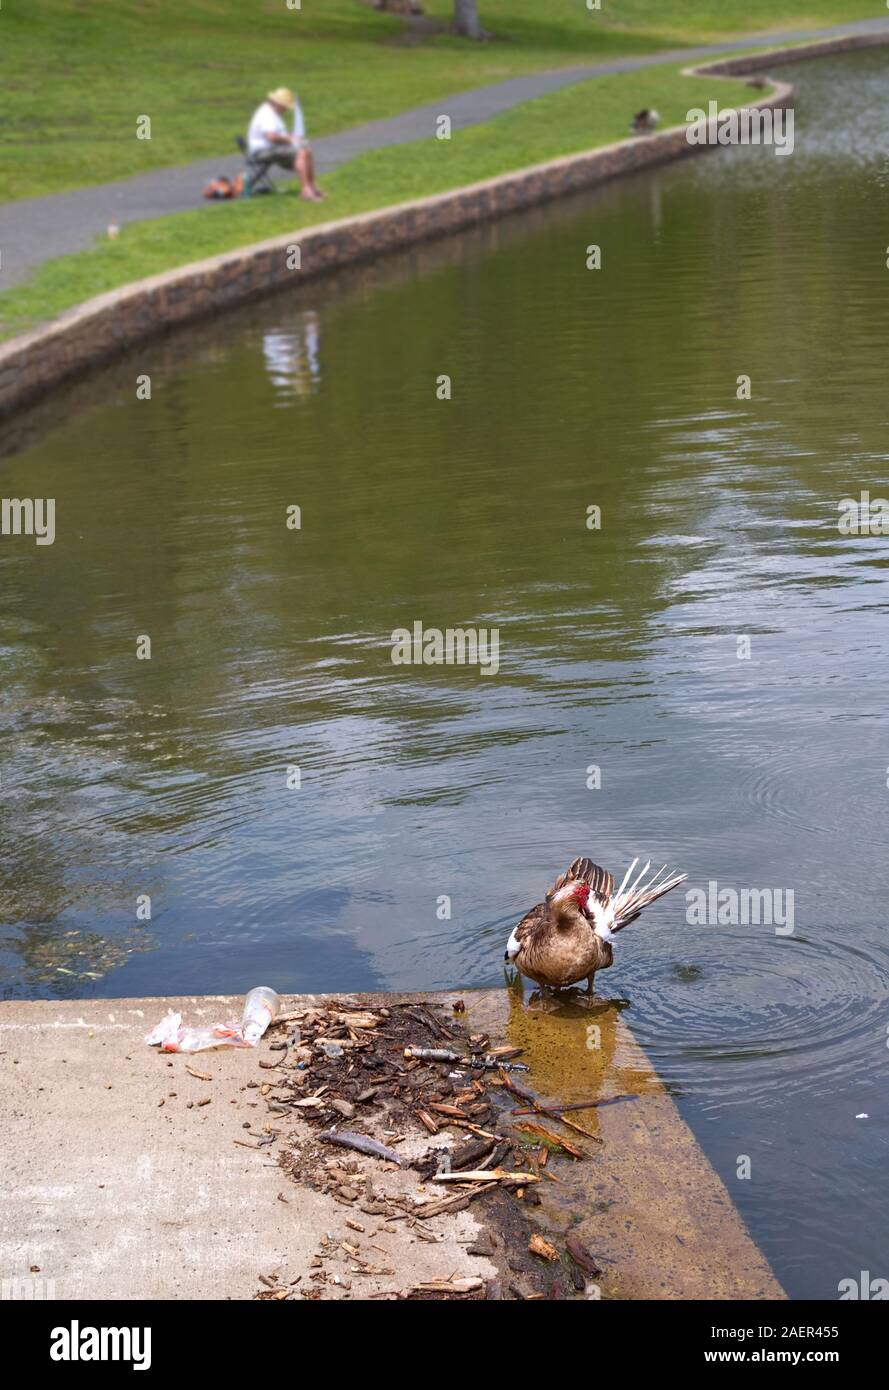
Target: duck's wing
601 882
531 923
631 898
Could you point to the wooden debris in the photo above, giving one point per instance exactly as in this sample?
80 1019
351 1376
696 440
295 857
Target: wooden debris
538 1245
400 1064
474 1129
552 1140
486 1175
482 1246
471 1152
359 1020
582 1256
452 1285
579 1129
454 1203
543 1109
538 1107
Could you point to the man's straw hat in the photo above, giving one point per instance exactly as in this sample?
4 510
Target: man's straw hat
282 96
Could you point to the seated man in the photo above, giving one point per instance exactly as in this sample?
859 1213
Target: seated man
268 139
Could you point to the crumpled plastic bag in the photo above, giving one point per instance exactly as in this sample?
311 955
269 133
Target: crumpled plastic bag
171 1036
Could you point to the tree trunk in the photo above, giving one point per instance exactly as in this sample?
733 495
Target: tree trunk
466 20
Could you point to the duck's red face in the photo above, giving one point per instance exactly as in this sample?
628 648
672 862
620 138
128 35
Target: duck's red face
581 895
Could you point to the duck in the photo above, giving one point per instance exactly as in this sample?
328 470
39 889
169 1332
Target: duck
570 935
645 121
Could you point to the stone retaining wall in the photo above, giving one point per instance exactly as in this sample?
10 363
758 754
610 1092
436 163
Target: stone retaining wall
98 330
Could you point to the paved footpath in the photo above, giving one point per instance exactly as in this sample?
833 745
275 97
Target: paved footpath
36 230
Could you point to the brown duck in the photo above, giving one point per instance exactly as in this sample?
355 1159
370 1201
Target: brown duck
568 937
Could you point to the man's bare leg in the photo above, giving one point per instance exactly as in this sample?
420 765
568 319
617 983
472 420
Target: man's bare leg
304 164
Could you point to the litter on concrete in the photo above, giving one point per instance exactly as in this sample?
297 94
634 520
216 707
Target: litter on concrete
261 1006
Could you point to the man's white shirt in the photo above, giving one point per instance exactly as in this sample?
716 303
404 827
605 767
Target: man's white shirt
267 121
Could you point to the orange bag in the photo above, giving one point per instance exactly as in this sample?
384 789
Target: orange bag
224 187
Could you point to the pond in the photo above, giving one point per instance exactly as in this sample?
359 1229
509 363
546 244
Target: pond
702 679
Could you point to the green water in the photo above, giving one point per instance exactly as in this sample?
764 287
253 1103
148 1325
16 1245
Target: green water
271 647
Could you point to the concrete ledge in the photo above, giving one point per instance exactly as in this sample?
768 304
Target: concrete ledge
126 1176
98 330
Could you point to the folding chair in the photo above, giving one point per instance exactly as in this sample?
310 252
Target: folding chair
257 175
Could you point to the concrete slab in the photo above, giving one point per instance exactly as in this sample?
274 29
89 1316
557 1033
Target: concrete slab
121 1184
647 1202
113 1187
118 1183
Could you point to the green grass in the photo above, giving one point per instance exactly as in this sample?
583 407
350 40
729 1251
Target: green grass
75 74
578 118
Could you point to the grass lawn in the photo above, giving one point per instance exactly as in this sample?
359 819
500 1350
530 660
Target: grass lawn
75 74
577 118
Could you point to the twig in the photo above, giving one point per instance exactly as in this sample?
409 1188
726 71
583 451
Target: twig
453 1285
428 1020
453 1112
579 1129
539 1132
473 1129
538 1107
449 1203
557 1109
475 1175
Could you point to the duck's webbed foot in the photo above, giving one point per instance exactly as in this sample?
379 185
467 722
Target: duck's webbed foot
543 1001
588 999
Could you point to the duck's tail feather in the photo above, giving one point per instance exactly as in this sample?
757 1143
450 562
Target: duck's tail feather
631 898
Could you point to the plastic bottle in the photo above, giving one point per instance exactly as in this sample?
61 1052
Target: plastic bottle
260 1007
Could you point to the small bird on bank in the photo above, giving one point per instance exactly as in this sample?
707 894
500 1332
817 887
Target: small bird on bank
645 121
568 937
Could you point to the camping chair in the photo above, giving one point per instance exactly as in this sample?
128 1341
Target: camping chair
257 175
